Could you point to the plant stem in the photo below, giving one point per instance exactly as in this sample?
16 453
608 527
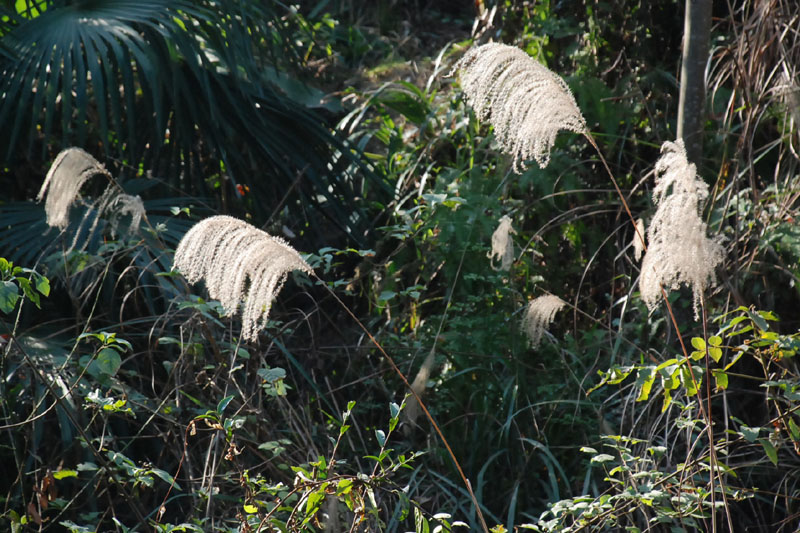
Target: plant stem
428 415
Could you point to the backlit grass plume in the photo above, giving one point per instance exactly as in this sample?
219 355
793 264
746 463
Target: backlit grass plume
678 250
240 264
539 315
526 103
70 170
502 245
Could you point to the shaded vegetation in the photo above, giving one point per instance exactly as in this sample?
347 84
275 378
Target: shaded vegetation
129 400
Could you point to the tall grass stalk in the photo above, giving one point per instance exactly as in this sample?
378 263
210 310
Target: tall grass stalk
528 105
230 254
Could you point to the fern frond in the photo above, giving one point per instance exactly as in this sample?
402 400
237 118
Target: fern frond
240 264
525 102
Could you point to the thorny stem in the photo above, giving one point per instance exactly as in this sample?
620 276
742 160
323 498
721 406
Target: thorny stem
419 400
706 412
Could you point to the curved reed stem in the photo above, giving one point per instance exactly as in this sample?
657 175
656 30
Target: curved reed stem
417 397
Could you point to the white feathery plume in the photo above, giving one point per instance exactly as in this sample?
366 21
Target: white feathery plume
126 204
539 315
238 262
502 245
525 102
70 170
678 249
638 243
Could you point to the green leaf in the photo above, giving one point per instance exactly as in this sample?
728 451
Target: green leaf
715 354
749 434
715 340
770 450
794 430
420 523
698 343
271 375
108 361
645 380
697 355
758 320
43 285
63 474
720 378
223 403
602 458
344 487
165 477
250 509
690 384
381 436
9 294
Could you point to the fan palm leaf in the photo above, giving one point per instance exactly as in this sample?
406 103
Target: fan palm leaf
175 87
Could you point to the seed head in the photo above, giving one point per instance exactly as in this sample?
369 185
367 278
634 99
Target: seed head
240 264
526 103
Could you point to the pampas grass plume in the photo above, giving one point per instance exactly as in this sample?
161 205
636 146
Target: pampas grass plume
678 251
638 243
539 315
239 263
70 170
502 245
526 103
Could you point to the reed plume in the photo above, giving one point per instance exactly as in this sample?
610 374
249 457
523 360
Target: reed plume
638 242
526 103
240 264
502 245
70 170
539 315
678 251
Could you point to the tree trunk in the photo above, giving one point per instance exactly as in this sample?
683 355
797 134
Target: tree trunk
696 37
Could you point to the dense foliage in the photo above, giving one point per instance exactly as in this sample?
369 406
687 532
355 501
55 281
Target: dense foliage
132 400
